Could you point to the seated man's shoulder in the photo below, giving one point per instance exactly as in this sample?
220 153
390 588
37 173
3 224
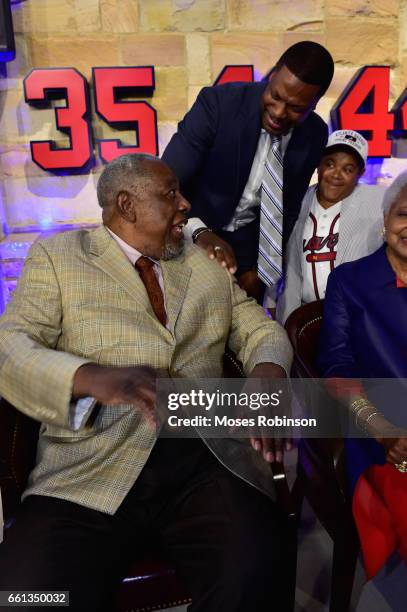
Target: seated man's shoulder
198 260
65 242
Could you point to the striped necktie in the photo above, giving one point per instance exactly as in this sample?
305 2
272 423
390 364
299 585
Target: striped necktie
270 260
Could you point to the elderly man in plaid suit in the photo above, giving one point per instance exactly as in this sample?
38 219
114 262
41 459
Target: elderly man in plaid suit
95 316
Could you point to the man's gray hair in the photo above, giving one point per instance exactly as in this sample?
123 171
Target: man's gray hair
394 190
120 174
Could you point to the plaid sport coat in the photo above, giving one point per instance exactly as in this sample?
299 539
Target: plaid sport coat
80 300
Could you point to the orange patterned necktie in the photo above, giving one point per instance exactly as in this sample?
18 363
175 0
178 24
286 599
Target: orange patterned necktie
144 265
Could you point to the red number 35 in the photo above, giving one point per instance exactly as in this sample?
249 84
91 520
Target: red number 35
111 85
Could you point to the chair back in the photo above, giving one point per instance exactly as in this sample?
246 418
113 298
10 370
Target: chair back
18 444
321 461
303 328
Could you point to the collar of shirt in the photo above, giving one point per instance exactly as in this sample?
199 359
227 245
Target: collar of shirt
328 213
399 283
285 139
131 253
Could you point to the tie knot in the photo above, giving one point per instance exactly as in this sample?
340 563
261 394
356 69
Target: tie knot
276 146
143 263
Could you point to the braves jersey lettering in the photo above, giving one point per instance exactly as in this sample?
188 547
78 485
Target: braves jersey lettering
320 240
317 243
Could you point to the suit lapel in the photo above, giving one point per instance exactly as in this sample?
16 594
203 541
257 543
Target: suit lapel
106 254
176 276
250 118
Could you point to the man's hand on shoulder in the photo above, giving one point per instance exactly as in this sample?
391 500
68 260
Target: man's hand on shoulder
218 249
126 385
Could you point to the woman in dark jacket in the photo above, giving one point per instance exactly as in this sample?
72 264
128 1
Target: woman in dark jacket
364 336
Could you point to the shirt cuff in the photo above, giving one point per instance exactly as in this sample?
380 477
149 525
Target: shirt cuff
79 411
193 224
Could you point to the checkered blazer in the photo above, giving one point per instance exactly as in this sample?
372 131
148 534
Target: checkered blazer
80 300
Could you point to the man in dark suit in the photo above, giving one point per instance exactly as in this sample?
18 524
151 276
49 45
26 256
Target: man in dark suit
235 137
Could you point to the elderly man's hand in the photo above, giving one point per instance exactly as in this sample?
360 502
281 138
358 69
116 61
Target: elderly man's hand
272 449
218 249
127 385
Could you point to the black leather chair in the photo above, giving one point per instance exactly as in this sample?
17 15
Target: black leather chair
321 473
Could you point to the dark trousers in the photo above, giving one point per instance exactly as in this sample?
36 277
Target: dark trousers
227 539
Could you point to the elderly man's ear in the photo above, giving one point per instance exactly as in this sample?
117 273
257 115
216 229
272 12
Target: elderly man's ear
126 206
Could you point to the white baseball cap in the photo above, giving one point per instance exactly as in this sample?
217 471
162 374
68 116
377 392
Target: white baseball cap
351 139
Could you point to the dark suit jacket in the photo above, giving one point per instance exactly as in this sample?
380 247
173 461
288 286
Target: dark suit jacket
364 335
213 150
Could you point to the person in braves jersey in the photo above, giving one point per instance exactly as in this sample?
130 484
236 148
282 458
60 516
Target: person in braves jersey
340 220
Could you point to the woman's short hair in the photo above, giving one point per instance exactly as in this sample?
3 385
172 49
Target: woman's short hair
394 190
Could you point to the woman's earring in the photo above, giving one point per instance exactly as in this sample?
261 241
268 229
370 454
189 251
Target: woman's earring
384 233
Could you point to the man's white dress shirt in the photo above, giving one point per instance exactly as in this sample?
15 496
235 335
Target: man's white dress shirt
246 210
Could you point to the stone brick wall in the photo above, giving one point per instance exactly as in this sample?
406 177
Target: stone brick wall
188 42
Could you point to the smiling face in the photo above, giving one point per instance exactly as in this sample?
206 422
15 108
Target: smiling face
155 212
287 101
338 174
395 223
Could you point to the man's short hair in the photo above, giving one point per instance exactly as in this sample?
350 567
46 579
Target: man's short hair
122 173
310 62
